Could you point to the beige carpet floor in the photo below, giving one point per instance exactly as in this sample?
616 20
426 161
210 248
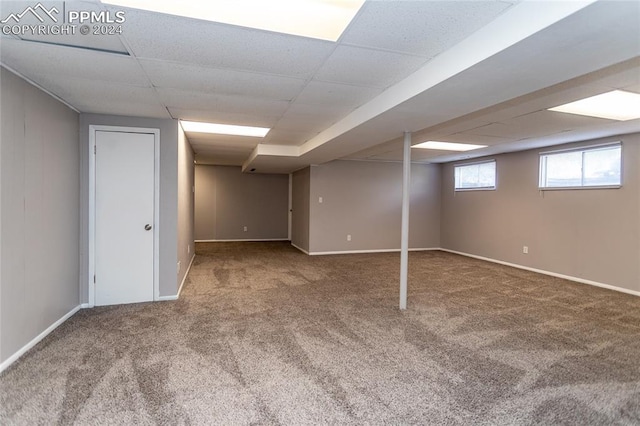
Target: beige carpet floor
263 334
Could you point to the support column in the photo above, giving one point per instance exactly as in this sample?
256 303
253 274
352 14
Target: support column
404 243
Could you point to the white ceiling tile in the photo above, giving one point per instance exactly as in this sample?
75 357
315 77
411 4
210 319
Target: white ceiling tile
505 111
493 129
623 80
259 120
153 36
323 93
475 139
550 98
552 122
38 58
176 98
223 81
458 125
366 67
303 123
463 93
424 28
334 112
454 94
100 97
537 124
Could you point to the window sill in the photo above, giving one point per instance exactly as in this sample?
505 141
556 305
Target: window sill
570 188
473 189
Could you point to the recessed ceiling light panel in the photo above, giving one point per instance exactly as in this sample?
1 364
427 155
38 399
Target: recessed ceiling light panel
224 129
448 146
321 19
615 105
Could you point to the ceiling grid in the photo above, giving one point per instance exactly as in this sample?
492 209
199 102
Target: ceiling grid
480 72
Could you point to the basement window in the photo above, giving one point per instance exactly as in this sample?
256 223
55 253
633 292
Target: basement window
476 176
582 168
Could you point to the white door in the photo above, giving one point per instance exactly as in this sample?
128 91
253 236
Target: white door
124 228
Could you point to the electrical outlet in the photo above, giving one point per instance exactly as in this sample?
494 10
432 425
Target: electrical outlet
178 266
348 237
320 200
245 229
525 249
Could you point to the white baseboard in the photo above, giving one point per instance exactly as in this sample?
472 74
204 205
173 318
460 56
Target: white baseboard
167 298
186 274
85 306
177 296
324 253
13 358
541 271
300 248
249 240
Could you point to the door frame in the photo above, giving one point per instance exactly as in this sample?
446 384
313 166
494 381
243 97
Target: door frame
290 207
92 205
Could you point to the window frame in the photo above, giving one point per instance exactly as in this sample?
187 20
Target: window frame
476 163
581 149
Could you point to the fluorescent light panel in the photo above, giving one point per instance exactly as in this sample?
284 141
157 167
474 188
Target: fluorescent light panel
615 105
448 146
224 129
321 19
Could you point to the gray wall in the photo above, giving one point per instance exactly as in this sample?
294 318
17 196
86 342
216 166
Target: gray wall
168 194
301 186
227 200
185 204
590 234
364 199
205 207
39 217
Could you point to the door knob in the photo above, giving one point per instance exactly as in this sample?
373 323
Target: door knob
147 227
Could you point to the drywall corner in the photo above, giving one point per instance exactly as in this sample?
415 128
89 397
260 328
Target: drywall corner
300 202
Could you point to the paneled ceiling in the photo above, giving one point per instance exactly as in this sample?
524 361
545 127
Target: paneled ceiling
461 71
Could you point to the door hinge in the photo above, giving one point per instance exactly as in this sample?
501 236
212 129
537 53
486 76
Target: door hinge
94 279
94 149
